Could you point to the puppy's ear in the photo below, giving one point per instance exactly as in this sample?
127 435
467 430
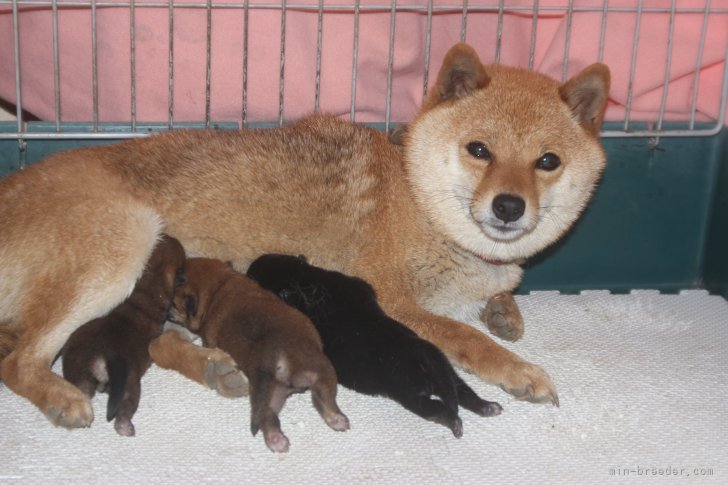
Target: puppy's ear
586 94
461 75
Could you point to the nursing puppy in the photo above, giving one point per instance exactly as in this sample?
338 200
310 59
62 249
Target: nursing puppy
371 352
110 354
273 344
496 166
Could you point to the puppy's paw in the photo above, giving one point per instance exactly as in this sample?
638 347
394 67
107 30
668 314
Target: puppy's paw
529 382
223 375
69 408
124 427
491 409
503 317
276 441
337 422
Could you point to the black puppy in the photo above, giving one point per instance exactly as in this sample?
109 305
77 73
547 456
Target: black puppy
111 353
372 353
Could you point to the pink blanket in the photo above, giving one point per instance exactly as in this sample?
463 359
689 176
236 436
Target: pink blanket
152 58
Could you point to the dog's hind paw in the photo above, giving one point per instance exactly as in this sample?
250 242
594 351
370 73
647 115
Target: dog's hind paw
503 317
337 422
529 382
276 441
222 374
490 409
124 427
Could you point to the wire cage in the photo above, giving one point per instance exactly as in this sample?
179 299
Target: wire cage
81 72
139 62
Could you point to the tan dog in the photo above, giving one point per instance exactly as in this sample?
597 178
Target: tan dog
497 166
275 345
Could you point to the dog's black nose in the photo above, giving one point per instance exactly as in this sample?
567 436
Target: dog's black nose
508 208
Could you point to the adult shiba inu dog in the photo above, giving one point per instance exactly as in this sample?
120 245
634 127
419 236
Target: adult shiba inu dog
496 166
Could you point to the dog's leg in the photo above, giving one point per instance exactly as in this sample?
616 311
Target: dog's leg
128 405
503 317
267 397
472 402
212 368
476 352
432 410
323 396
83 286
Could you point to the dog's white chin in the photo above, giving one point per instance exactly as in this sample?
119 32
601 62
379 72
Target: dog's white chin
502 233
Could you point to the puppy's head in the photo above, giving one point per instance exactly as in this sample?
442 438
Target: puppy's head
503 159
282 275
308 288
192 297
165 270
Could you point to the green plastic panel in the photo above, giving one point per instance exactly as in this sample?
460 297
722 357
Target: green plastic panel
659 218
649 224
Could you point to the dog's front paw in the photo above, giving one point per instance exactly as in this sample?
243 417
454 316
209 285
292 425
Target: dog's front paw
529 382
70 408
223 375
503 317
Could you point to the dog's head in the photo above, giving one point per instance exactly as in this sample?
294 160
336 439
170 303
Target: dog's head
312 290
193 296
164 271
503 159
283 275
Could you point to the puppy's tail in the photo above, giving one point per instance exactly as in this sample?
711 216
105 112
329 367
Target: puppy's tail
116 368
8 340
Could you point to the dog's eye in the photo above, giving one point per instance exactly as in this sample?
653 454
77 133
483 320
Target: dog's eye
191 305
180 278
478 150
548 162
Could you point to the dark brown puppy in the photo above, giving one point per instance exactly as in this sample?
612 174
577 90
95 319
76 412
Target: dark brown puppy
275 345
111 353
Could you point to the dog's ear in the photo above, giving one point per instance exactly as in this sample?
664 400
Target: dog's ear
586 94
461 75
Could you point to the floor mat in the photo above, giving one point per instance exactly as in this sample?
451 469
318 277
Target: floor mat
641 380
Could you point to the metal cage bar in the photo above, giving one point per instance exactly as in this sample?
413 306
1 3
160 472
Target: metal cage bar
428 10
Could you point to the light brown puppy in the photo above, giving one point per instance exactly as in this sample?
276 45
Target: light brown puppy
275 345
497 166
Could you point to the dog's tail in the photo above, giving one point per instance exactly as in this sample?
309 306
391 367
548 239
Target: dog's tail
116 368
8 339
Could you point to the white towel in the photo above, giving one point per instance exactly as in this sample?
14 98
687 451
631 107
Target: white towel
641 379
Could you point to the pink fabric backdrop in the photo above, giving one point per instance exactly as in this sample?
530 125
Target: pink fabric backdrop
152 41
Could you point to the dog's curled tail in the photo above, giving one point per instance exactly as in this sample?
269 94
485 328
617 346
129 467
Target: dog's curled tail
117 371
